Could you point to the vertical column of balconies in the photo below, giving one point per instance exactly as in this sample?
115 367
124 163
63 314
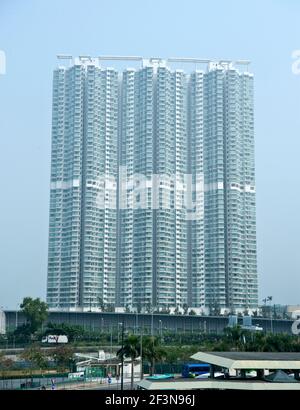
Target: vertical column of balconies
240 183
111 138
142 271
55 215
98 234
214 204
234 163
230 237
71 206
127 136
180 168
195 168
65 198
250 253
164 140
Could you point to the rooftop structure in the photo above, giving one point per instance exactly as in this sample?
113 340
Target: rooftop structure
250 360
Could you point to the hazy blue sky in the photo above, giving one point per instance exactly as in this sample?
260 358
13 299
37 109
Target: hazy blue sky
33 32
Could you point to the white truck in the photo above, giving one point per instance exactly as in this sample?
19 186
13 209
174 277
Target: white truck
55 339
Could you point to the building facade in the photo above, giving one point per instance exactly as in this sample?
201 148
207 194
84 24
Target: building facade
230 221
82 233
152 200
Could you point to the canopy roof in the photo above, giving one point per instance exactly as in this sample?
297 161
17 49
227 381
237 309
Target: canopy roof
250 360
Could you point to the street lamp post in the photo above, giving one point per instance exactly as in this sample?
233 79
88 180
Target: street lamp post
1 316
17 316
270 298
111 341
122 359
265 300
141 353
136 322
151 323
160 328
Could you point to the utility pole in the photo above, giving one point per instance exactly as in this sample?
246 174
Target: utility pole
160 328
122 359
152 324
111 341
141 353
265 300
270 298
17 316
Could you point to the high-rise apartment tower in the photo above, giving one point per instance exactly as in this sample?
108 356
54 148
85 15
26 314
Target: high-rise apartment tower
152 198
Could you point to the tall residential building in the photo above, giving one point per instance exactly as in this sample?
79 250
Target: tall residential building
152 187
230 221
82 234
153 237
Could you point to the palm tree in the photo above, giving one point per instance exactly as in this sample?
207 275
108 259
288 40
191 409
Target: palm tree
236 336
131 349
152 351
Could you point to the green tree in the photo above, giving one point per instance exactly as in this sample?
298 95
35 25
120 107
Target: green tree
235 336
64 357
5 364
214 308
148 307
23 333
131 349
100 303
127 309
36 357
246 312
35 312
173 354
185 309
109 307
152 351
177 311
